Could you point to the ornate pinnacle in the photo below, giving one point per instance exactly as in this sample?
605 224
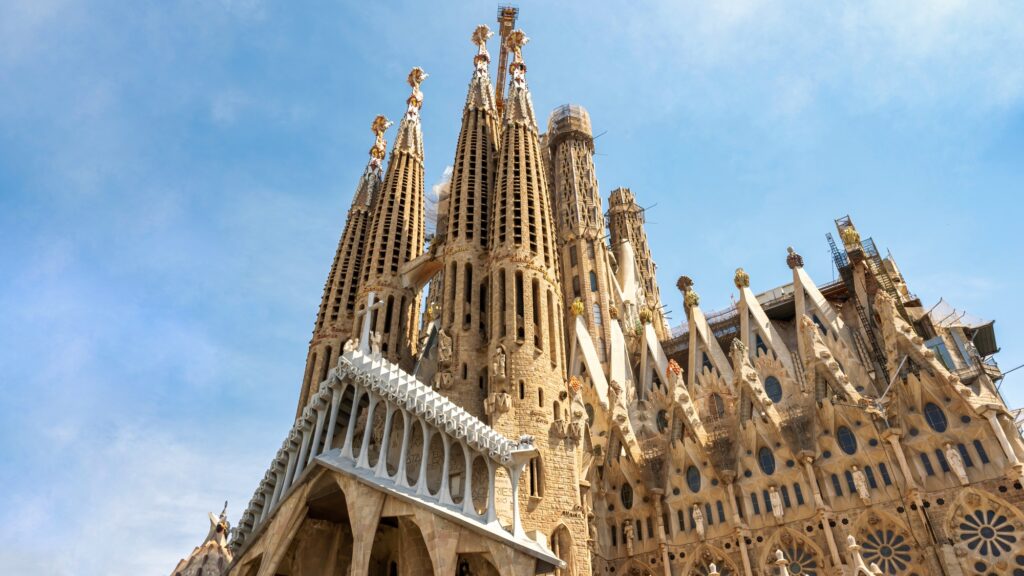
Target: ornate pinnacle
850 236
379 126
480 37
516 40
794 260
742 279
416 77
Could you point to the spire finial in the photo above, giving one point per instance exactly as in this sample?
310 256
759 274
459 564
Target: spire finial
793 259
480 37
379 126
415 101
516 40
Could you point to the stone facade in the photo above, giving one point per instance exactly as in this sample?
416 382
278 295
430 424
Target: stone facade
541 416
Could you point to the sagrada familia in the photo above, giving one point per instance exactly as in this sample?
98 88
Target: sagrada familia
506 397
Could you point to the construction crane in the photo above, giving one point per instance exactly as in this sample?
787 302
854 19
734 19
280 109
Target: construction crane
506 23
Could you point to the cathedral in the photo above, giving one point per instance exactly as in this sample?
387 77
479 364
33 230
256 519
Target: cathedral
504 396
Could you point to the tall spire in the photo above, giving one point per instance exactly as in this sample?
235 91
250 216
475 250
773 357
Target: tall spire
337 307
527 334
464 281
397 234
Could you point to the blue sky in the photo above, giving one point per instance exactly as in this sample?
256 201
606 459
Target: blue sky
174 178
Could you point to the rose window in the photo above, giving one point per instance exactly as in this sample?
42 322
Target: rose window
987 533
887 549
801 561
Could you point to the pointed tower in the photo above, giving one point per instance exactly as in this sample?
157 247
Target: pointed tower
579 222
528 390
463 316
337 308
626 223
396 237
212 556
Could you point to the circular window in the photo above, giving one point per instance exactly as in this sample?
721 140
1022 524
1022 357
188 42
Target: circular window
662 420
935 416
847 441
626 494
693 479
773 388
766 460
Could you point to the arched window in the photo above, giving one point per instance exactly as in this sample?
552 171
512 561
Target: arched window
626 495
836 486
693 479
759 344
773 388
597 314
766 460
662 420
935 416
716 406
593 281
847 441
536 479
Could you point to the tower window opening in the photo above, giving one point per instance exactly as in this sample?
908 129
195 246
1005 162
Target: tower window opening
522 390
968 463
927 463
836 486
500 294
540 397
593 281
870 475
520 308
552 334
980 449
538 341
536 477
468 279
597 314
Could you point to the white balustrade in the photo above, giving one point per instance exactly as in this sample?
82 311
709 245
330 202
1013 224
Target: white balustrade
389 390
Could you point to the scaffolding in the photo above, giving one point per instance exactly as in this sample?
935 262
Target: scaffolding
506 23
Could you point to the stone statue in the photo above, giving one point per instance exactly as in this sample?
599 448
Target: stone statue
526 441
778 510
698 520
375 343
956 463
444 347
351 345
629 533
497 403
498 365
592 530
861 483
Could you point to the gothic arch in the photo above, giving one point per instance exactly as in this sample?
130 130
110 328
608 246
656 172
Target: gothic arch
804 556
563 546
635 568
990 532
706 555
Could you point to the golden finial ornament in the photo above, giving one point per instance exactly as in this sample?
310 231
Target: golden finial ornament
646 315
431 312
577 307
850 236
691 299
613 311
672 369
416 77
742 279
684 283
574 383
379 126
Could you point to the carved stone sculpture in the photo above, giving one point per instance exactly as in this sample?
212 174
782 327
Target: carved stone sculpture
777 508
351 345
956 463
861 483
698 520
498 364
629 533
375 343
444 347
